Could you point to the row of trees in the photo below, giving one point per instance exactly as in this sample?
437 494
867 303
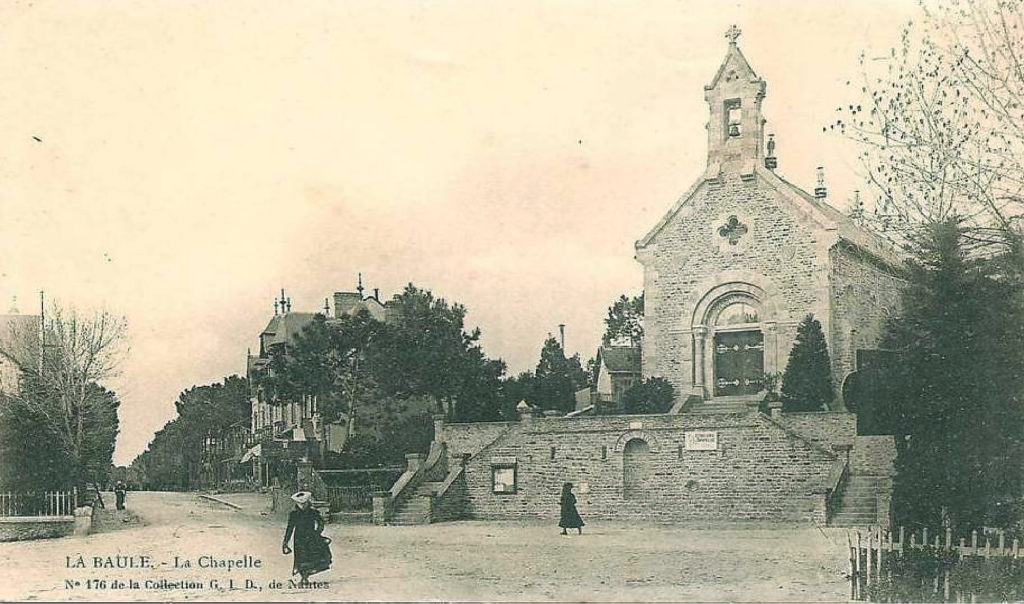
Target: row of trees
58 423
173 459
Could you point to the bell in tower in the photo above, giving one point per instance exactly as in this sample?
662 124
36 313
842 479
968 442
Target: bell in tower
736 127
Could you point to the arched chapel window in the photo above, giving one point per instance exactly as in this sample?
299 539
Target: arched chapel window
738 313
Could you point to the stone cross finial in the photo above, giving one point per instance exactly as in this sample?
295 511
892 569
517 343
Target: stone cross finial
732 33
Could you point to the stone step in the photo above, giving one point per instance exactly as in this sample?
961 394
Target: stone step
853 522
409 520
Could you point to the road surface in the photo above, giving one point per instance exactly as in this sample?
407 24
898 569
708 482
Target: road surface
449 561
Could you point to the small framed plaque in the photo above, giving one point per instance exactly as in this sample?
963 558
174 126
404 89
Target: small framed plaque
705 440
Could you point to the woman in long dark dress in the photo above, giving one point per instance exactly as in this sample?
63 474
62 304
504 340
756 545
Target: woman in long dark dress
312 551
570 517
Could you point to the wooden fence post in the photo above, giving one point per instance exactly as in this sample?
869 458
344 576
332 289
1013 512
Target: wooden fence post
853 569
881 548
871 542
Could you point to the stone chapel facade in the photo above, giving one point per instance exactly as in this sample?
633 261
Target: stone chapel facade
743 256
729 273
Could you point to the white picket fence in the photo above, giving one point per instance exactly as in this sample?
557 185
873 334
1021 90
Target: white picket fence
872 552
47 503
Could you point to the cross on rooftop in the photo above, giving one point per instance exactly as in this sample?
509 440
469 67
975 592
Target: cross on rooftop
732 33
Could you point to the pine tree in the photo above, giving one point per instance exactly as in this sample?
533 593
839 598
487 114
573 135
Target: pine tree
807 381
958 385
557 377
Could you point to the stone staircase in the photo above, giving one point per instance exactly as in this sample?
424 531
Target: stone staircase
858 502
415 509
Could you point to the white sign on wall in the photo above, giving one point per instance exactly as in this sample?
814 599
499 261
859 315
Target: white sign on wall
701 441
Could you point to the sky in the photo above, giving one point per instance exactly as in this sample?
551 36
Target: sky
178 163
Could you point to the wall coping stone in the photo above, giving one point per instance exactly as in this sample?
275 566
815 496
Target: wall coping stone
36 519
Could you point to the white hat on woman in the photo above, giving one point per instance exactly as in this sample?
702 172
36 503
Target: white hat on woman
302 497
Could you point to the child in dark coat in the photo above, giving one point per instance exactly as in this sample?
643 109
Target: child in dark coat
570 517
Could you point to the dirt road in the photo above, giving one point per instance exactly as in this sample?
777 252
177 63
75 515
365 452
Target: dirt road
451 561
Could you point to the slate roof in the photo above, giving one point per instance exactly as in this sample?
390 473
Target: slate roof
282 328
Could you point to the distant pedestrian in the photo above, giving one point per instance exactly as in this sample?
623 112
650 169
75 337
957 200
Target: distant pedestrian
570 517
312 549
120 492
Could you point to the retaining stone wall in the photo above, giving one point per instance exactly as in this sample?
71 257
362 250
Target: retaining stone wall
758 471
825 429
873 456
472 437
35 527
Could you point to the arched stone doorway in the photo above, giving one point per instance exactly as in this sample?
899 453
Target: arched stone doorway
734 330
636 468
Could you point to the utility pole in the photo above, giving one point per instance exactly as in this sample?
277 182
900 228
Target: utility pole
42 330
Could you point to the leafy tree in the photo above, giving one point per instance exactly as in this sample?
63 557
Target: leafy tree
521 387
807 380
333 362
427 351
958 386
653 395
557 378
625 321
941 123
367 369
60 403
942 128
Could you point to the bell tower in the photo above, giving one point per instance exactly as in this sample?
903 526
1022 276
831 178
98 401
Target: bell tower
736 127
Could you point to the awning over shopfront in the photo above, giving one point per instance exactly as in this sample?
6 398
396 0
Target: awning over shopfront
253 452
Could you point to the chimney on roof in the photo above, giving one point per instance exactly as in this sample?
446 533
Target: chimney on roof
376 294
820 192
275 306
359 287
561 331
289 306
327 308
345 302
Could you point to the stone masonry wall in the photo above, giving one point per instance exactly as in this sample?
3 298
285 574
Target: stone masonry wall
864 294
825 429
874 456
471 438
781 248
35 527
757 471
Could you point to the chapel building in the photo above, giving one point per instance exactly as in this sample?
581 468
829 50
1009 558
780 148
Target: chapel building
740 259
744 255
